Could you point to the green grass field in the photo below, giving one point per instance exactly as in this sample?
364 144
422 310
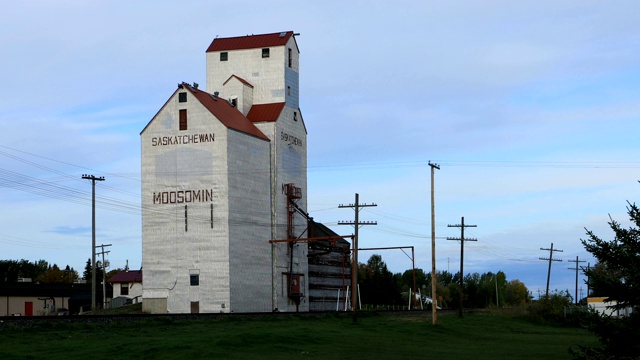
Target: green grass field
384 336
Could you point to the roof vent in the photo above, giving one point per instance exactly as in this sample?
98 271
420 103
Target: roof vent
195 85
283 34
216 93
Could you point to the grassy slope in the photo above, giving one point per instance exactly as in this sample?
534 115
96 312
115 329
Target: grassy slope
322 337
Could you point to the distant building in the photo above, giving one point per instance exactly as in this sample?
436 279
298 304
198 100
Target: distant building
34 299
603 307
127 287
223 172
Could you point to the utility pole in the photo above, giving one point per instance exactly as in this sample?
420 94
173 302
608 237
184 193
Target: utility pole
576 269
588 268
354 261
434 297
104 276
93 236
462 240
550 259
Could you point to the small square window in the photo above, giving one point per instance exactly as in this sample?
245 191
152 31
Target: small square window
265 52
183 119
194 279
182 97
224 56
124 289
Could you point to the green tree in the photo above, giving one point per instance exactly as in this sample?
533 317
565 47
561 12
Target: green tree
56 275
616 273
470 291
453 300
550 308
616 277
69 275
378 286
86 275
52 275
443 280
407 279
444 277
11 270
515 293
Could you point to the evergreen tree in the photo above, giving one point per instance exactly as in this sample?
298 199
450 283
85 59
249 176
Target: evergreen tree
616 277
378 286
86 275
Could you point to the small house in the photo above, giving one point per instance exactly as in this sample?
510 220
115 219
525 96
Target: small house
127 287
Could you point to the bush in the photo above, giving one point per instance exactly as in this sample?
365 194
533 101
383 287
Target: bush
550 308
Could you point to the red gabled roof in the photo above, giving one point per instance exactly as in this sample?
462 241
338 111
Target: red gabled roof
130 276
265 112
228 115
239 79
250 41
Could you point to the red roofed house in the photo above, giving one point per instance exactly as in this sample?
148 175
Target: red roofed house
127 287
224 172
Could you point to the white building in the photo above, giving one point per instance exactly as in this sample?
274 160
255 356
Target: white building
605 308
223 172
127 287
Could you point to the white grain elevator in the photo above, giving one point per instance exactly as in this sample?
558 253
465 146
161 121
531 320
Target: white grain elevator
221 169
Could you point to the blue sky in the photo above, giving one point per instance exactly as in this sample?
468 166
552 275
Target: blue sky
531 109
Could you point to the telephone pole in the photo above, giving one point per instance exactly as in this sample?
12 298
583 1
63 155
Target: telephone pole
576 269
354 261
434 306
93 236
104 275
588 268
462 240
550 259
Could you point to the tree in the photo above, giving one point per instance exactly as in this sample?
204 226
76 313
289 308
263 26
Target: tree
11 270
86 275
444 277
378 286
52 275
616 277
407 279
515 293
69 275
550 308
616 274
56 275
